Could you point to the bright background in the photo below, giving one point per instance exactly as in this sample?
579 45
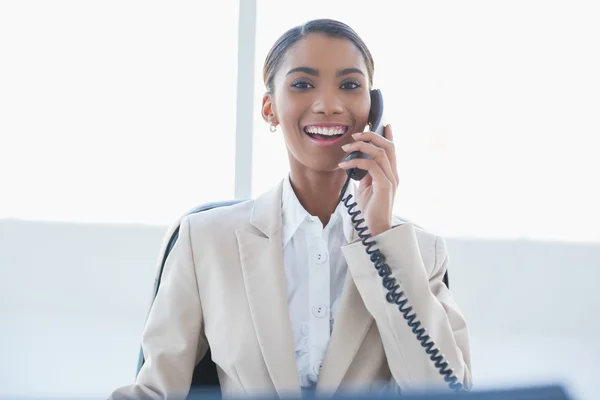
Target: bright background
116 117
109 108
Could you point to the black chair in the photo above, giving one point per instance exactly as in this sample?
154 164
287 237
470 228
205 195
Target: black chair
205 373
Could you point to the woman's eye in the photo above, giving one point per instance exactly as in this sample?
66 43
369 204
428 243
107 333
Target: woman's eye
301 85
350 85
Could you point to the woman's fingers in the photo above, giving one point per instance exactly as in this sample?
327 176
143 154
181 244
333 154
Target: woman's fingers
380 179
386 143
378 154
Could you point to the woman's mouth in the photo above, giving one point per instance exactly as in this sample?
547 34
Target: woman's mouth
325 134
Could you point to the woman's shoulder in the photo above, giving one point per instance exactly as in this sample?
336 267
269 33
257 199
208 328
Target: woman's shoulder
209 218
220 217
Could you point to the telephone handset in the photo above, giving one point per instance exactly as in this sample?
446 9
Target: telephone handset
394 295
376 125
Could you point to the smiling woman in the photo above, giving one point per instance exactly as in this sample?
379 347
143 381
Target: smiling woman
279 288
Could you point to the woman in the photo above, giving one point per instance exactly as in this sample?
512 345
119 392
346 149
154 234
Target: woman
279 287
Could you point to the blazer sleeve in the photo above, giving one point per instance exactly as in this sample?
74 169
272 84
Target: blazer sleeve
410 366
172 340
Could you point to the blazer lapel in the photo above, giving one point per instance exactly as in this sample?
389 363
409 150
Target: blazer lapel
261 257
349 331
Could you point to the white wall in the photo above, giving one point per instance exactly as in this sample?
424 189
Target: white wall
73 300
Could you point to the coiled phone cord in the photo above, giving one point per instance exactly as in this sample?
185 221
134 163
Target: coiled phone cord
395 295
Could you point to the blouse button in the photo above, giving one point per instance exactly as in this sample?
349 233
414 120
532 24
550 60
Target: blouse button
319 311
320 257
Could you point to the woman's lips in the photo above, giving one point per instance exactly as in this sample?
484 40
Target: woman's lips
322 141
326 134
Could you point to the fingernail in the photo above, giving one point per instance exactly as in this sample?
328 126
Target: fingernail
342 164
345 147
357 134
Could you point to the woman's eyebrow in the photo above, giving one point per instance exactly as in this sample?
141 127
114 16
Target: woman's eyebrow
306 70
347 71
315 72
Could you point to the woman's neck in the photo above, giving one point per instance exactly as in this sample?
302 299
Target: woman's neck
318 192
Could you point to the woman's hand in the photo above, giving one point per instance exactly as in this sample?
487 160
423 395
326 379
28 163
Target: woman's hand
377 190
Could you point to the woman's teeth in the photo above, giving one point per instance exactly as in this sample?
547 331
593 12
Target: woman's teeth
326 131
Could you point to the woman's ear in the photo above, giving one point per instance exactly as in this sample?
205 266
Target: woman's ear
268 109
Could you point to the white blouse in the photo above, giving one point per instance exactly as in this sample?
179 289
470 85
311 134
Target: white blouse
315 270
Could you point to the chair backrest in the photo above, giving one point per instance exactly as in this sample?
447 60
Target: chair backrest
205 373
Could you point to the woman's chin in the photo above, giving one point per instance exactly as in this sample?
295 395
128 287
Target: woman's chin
329 168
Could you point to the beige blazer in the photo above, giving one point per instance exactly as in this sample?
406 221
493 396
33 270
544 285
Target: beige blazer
224 285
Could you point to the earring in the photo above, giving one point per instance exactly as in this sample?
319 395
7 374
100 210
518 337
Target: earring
272 128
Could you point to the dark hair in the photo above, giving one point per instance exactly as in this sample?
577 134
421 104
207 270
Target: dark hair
328 27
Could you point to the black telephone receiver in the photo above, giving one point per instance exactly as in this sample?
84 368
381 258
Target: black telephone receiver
376 125
395 295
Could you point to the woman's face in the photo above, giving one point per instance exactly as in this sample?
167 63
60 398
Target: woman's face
321 97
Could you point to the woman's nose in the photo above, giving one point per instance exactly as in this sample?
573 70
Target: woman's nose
328 104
